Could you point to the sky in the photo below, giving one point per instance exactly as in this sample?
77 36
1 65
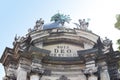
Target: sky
17 16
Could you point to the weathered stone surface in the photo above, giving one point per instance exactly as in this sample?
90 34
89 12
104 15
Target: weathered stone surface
60 53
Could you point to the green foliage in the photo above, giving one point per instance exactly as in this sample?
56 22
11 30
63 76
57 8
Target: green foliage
118 42
60 18
119 64
117 24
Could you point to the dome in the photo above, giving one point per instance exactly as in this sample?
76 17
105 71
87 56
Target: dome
59 21
52 25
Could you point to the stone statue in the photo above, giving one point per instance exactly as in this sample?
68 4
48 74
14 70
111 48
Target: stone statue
83 24
60 18
107 42
107 45
39 24
29 30
16 39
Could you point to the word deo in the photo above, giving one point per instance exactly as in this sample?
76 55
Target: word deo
62 49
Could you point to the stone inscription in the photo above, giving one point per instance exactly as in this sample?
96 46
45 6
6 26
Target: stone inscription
62 49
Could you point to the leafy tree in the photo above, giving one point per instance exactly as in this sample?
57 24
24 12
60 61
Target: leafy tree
118 42
117 25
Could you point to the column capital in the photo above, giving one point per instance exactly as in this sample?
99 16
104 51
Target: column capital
90 70
11 71
24 64
36 66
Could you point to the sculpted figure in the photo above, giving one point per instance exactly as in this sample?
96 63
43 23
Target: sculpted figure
107 43
16 39
39 24
83 24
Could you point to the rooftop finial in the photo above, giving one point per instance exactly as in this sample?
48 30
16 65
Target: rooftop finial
60 18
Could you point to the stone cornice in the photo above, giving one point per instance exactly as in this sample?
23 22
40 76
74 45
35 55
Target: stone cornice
7 56
63 60
71 34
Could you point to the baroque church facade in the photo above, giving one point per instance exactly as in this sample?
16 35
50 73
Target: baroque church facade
55 51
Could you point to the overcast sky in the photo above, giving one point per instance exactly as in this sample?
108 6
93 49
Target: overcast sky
17 16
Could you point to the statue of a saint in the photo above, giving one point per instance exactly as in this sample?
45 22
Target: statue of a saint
16 39
83 24
107 43
39 24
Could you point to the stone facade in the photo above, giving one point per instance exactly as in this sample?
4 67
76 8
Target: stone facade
60 53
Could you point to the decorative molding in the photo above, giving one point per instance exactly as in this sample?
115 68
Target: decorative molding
63 78
36 66
24 64
11 70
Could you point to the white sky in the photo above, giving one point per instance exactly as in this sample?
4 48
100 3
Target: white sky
17 16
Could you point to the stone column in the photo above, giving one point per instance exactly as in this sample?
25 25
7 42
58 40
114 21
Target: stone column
34 77
23 69
36 69
92 77
104 75
21 74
